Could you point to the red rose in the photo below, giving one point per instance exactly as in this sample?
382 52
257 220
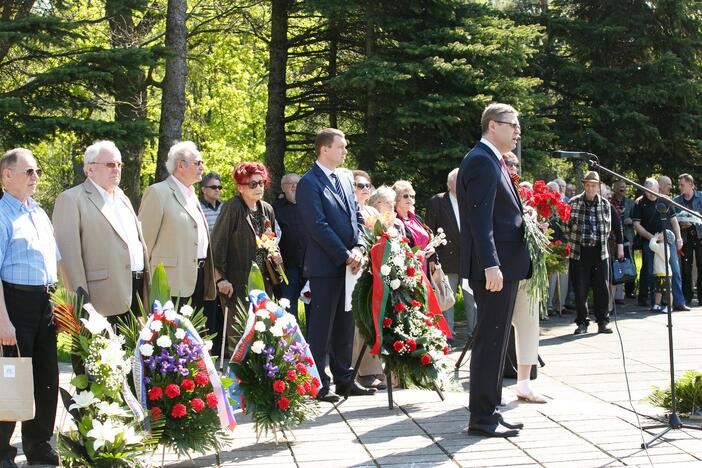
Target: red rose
387 322
211 399
201 379
197 405
446 349
301 368
155 393
188 385
429 323
411 345
301 389
416 303
398 346
172 390
411 271
399 307
155 412
309 361
566 251
283 403
316 382
426 360
179 410
279 386
292 375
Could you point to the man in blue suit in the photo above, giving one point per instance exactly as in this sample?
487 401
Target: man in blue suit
494 257
332 220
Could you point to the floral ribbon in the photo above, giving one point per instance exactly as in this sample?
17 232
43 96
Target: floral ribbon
379 255
433 306
224 409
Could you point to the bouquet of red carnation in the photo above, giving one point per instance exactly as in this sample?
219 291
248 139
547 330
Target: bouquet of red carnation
547 203
557 257
274 376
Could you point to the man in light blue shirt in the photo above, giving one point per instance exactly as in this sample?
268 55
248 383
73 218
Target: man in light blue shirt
28 259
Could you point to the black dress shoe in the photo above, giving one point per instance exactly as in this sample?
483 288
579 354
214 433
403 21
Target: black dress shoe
491 430
681 308
603 328
516 425
42 454
328 396
8 463
582 329
356 389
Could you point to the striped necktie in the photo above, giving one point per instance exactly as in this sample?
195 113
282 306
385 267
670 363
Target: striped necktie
339 190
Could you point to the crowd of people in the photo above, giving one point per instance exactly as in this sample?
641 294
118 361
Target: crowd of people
99 243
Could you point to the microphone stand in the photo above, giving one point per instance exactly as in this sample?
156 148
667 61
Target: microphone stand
663 205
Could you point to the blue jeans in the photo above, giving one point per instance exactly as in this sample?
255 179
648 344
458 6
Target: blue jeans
678 297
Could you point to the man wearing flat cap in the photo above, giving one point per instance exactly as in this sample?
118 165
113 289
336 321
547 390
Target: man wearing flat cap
591 222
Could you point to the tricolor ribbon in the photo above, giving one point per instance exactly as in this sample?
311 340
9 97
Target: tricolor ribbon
379 255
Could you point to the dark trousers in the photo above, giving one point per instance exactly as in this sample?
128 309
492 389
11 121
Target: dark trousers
291 291
197 299
330 330
30 314
490 339
692 248
215 321
643 279
590 271
137 288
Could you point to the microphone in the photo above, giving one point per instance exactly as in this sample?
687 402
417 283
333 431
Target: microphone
579 155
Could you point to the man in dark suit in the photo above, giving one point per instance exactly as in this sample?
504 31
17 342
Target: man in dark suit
494 257
332 220
442 212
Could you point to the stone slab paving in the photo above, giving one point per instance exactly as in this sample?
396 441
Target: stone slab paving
588 421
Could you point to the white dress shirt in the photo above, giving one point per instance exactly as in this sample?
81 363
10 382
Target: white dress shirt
193 205
454 205
127 224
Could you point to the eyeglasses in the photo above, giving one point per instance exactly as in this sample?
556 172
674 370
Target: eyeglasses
361 186
197 162
31 171
256 183
214 187
515 126
512 164
111 164
408 195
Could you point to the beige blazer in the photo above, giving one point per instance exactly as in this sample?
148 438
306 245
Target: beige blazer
94 252
170 232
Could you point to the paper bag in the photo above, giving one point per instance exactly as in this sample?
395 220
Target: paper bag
16 388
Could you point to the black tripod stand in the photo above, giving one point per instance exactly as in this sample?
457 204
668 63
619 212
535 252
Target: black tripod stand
663 205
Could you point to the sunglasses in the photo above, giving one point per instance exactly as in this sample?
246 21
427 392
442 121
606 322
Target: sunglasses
31 171
256 183
111 164
512 164
515 126
361 186
214 187
408 195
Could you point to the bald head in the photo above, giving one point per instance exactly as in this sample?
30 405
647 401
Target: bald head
664 185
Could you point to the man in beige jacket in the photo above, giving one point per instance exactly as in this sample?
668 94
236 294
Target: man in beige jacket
175 228
100 238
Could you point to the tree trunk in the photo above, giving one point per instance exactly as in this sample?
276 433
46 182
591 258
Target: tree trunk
130 98
368 152
333 70
173 87
275 116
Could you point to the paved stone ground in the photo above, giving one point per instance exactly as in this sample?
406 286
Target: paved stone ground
588 421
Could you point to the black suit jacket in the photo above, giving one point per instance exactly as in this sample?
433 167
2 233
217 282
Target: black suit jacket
492 231
440 215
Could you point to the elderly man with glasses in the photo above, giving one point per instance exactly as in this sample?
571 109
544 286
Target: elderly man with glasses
100 237
28 256
175 228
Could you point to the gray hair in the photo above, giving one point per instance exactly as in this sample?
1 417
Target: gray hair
9 159
400 187
94 150
179 151
209 176
286 178
452 176
553 185
494 112
651 183
381 194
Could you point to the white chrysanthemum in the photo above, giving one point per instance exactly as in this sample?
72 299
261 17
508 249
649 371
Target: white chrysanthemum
396 283
276 330
146 334
260 326
168 305
180 333
257 347
263 313
385 270
164 341
284 303
186 311
146 349
156 325
170 315
271 306
392 232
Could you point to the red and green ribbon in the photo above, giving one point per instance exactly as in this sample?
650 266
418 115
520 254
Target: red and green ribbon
379 255
433 306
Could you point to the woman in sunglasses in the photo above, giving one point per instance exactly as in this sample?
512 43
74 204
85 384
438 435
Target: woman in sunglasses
362 188
243 220
417 232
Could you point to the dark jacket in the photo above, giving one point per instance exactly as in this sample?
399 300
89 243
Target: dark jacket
234 244
440 215
492 231
293 240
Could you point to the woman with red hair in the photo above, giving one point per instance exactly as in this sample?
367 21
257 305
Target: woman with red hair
243 220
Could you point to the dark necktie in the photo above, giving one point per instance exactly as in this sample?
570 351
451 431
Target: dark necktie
339 190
